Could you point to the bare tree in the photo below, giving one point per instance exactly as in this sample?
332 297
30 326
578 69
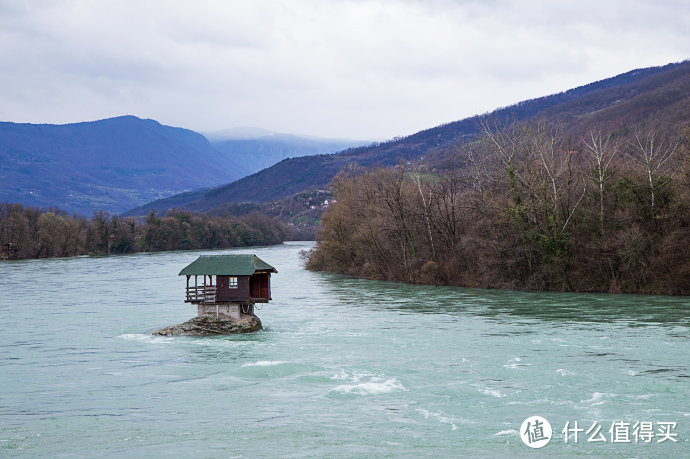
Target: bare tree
477 171
507 139
446 216
548 150
546 145
602 150
654 153
416 177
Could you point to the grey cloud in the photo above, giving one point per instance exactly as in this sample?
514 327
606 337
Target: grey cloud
364 68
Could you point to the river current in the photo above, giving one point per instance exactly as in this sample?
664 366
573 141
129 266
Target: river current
344 367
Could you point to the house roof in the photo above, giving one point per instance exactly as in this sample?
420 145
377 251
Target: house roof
228 265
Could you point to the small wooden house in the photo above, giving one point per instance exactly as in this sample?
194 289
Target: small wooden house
228 285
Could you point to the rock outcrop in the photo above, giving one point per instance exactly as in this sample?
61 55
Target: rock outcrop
208 325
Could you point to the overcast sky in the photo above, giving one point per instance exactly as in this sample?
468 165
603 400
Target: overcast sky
350 69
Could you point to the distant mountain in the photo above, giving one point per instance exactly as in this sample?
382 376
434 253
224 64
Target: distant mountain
612 103
239 132
113 164
258 149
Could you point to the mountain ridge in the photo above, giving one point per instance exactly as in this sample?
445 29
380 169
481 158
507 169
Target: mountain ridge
297 174
105 164
117 163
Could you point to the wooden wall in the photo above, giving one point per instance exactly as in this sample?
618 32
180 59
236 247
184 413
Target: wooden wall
223 293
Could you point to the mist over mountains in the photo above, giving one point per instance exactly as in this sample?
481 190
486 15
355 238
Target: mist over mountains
119 163
258 148
132 166
614 103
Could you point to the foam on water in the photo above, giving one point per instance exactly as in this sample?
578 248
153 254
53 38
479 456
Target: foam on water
443 418
146 338
541 401
515 364
218 342
598 398
264 363
373 386
564 372
489 391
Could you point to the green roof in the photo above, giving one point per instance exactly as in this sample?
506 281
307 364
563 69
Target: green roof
228 265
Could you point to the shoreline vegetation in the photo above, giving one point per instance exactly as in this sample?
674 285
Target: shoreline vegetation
30 232
524 206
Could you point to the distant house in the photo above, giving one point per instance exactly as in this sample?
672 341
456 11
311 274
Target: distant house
228 285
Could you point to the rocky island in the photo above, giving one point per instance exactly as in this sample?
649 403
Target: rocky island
209 325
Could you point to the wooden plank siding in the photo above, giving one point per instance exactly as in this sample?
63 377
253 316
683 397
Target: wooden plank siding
224 293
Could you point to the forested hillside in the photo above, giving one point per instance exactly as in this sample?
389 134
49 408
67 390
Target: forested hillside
525 206
616 101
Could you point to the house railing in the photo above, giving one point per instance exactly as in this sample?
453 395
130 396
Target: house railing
201 294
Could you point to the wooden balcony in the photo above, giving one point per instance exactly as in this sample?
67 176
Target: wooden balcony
201 294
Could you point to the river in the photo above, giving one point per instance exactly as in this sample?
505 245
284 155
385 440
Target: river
344 367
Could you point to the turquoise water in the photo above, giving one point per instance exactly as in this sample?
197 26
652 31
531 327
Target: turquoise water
344 367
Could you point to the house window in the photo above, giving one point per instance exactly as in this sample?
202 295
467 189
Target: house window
232 282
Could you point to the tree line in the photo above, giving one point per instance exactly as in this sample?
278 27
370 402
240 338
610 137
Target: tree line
30 232
523 206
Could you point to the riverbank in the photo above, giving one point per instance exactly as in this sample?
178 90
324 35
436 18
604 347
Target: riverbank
508 226
29 233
